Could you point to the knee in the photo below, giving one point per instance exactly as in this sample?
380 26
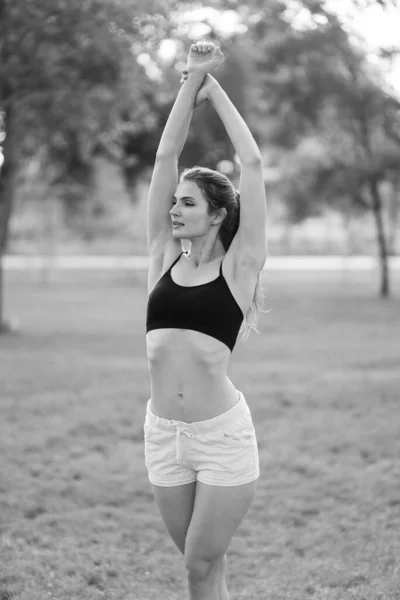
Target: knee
198 569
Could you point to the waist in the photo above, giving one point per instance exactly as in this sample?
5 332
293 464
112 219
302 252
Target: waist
192 401
198 427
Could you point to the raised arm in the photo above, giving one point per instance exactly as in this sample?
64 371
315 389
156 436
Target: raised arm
202 58
251 238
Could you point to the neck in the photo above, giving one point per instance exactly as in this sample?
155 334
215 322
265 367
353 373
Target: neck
200 255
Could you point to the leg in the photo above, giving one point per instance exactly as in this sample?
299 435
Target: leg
223 590
175 504
218 511
176 507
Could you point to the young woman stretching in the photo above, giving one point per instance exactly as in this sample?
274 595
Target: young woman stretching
200 445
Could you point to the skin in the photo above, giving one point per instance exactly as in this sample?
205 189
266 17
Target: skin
188 369
190 207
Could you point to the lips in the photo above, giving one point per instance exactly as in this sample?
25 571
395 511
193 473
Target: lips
177 223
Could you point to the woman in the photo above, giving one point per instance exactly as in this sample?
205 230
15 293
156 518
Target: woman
200 444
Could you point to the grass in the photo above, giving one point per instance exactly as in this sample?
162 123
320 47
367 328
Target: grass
77 517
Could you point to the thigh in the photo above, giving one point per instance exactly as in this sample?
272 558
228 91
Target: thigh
217 513
176 507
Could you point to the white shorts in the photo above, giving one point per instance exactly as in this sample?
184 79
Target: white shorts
218 451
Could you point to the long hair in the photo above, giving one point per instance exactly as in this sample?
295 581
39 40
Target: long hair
219 193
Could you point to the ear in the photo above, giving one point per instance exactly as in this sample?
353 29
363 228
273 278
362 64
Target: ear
219 216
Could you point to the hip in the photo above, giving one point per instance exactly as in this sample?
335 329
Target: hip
238 414
219 451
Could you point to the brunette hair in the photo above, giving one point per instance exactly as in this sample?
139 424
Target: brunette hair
219 193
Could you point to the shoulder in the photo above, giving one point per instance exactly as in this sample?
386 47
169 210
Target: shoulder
160 261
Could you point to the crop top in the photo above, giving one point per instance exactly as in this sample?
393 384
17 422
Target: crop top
209 308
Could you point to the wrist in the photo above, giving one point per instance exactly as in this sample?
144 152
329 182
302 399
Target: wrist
193 78
211 83
213 90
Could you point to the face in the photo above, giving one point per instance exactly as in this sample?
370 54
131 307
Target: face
190 208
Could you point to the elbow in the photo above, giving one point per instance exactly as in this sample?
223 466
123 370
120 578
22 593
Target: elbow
166 152
252 160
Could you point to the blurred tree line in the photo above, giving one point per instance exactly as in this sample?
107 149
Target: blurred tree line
83 77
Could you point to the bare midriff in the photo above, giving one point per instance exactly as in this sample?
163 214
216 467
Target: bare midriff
188 375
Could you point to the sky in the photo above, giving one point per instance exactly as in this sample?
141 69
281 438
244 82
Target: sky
380 27
377 24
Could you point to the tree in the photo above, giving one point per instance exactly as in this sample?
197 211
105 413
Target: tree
68 75
316 82
207 141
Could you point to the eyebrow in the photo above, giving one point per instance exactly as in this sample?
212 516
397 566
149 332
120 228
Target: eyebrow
184 198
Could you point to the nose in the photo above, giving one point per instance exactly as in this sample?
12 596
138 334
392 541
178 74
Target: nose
173 211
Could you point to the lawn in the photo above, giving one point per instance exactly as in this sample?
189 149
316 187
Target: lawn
77 517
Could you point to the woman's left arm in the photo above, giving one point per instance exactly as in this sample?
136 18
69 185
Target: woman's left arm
252 235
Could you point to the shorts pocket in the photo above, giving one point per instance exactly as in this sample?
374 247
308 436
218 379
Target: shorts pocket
241 433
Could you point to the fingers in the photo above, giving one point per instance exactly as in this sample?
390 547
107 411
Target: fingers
203 57
202 47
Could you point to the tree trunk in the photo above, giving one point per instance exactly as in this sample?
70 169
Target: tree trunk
9 147
382 245
394 206
1 295
7 176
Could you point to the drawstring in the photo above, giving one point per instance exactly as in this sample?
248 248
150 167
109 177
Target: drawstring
180 429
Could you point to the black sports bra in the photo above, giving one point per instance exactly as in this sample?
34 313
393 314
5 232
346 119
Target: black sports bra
209 308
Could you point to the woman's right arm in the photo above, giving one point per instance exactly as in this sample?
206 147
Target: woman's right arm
203 57
165 174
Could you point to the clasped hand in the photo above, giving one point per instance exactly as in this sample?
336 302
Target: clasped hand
203 58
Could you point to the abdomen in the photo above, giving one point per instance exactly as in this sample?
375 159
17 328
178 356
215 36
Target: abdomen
188 373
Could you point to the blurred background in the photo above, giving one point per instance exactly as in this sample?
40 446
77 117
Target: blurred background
87 86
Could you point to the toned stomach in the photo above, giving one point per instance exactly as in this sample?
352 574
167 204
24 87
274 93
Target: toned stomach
188 375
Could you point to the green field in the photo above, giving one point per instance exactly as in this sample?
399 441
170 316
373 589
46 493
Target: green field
77 517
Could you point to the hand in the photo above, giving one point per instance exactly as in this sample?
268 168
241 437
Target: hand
204 57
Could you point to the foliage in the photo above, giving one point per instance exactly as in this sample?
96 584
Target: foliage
73 81
86 76
316 83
